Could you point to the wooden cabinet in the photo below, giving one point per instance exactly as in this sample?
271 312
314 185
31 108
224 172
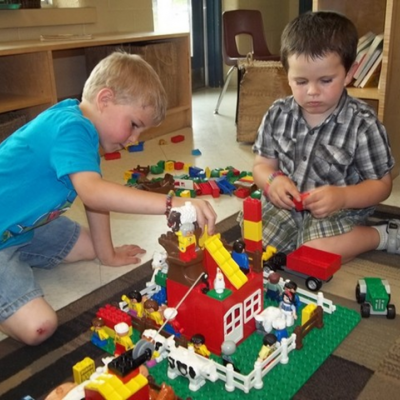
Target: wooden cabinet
378 16
35 75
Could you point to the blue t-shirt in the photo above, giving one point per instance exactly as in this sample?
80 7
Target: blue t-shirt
35 163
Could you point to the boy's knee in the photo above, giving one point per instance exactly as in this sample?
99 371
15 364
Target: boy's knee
38 331
32 324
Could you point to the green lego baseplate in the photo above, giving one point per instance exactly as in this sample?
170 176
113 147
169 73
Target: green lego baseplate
283 381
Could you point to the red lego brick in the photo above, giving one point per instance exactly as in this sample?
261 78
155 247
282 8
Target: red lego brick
179 165
242 193
205 188
112 316
177 138
112 156
252 210
298 205
215 192
251 245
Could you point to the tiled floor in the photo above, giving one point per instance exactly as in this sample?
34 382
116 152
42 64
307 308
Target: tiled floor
215 137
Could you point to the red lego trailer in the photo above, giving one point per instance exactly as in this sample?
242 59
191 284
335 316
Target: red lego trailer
316 266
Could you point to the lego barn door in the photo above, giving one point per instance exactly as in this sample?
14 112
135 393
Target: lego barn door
233 323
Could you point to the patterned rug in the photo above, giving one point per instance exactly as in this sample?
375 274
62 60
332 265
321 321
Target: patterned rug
366 365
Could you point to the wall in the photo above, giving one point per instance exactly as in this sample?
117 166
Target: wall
111 16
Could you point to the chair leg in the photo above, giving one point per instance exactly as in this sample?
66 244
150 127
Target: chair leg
221 95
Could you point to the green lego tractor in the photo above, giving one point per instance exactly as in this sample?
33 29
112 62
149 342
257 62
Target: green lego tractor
374 296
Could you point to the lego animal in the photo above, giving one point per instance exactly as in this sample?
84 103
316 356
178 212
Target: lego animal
184 362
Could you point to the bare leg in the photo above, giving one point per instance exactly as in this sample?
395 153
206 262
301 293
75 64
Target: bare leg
349 245
83 249
32 324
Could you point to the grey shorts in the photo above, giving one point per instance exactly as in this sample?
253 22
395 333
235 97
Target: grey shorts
49 246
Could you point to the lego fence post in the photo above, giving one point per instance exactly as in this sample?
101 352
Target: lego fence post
229 385
284 351
320 299
258 382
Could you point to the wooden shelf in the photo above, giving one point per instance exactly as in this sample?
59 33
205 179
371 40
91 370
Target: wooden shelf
33 73
366 93
12 102
378 16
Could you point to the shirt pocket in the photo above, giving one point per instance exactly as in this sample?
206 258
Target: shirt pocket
331 165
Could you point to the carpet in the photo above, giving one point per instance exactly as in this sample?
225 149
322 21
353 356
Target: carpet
365 366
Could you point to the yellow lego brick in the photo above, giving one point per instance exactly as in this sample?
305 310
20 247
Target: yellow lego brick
252 230
137 383
169 166
225 262
186 167
83 369
207 172
184 193
307 312
127 175
247 178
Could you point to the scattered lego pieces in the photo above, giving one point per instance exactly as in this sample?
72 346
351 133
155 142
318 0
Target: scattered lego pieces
177 138
136 147
196 152
112 156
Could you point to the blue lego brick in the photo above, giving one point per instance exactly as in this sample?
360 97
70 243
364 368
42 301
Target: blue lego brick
136 147
225 186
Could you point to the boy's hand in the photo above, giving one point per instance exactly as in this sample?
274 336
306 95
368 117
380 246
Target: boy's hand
324 201
205 215
126 254
281 192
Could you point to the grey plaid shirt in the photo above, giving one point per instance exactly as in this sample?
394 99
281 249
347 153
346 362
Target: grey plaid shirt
350 146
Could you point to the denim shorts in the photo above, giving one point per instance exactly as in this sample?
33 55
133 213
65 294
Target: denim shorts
49 246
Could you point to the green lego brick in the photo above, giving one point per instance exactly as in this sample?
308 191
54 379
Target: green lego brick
161 279
285 379
219 296
256 194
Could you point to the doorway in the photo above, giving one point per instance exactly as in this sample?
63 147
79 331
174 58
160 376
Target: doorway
203 20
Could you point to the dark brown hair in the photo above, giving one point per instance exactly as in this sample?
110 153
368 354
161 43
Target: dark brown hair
315 34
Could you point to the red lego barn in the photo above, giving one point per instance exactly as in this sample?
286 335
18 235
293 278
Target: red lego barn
218 313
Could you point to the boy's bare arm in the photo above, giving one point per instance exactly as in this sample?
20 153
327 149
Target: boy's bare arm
325 200
99 224
281 189
101 195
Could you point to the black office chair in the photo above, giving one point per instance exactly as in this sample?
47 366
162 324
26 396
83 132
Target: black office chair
238 22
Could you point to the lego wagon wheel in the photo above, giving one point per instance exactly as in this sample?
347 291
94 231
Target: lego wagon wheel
143 348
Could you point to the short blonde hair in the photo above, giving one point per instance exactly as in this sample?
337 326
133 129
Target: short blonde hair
131 79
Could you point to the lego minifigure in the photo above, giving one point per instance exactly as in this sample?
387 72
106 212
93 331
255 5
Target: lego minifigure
187 242
134 300
269 345
151 311
122 340
273 289
240 257
170 315
198 343
280 329
228 348
219 282
292 287
288 308
100 336
159 264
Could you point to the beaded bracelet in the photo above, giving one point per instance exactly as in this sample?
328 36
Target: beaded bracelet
170 195
270 179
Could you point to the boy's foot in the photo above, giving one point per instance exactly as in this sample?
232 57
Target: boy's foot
389 236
